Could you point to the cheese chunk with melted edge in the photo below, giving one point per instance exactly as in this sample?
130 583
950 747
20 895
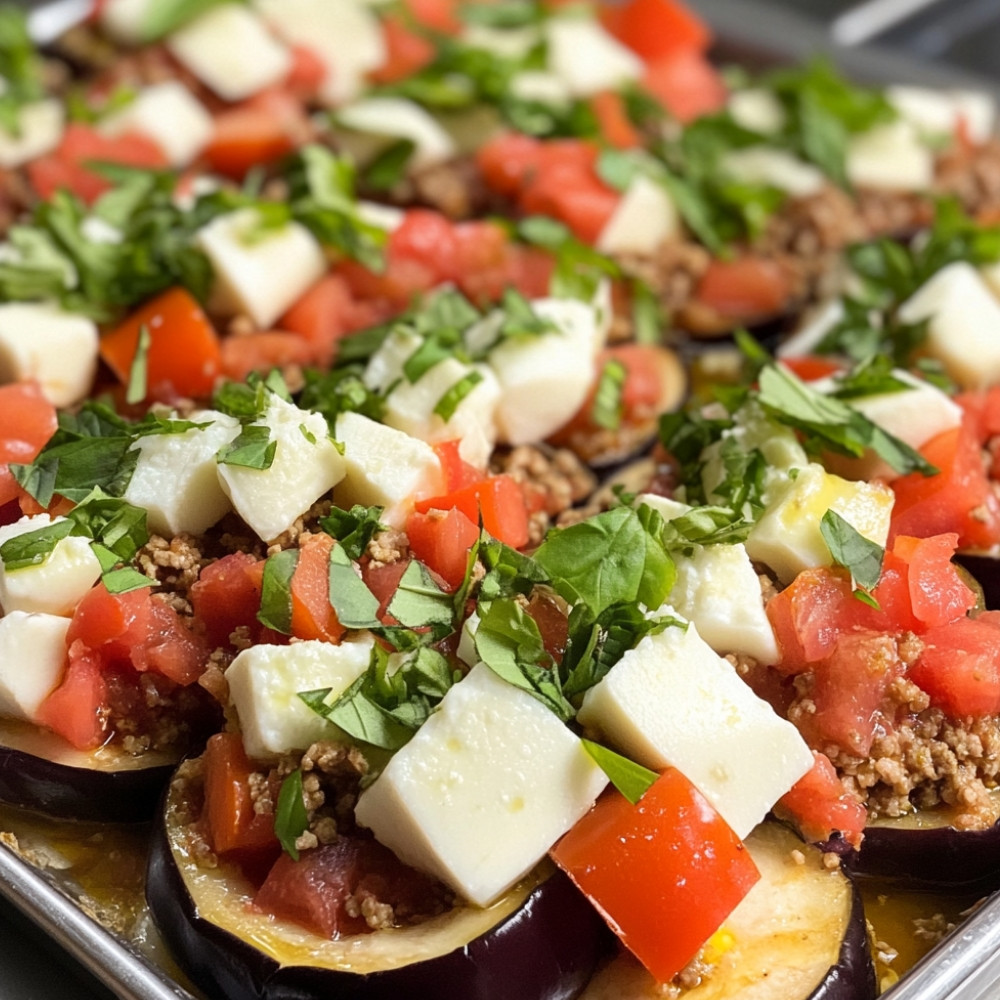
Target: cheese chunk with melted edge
264 685
673 702
32 661
306 465
488 784
176 477
787 537
259 270
385 468
55 585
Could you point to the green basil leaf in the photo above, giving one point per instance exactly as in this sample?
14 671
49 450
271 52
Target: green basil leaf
32 548
355 604
389 167
631 779
291 819
850 549
353 528
276 591
450 400
124 580
419 601
253 448
609 406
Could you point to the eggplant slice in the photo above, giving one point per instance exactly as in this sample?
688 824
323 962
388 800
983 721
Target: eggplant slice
42 772
541 941
800 934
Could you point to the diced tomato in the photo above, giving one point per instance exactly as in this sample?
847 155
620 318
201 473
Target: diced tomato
441 540
848 689
959 667
656 28
314 891
406 51
481 261
264 128
437 15
821 807
686 83
984 409
67 168
313 616
226 596
184 357
938 595
27 421
572 195
307 73
553 625
320 316
382 579
261 351
665 873
169 647
508 161
530 270
810 367
232 823
458 474
613 121
498 500
745 287
957 500
73 709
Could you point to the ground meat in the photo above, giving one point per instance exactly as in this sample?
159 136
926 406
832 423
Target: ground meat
175 565
672 272
455 188
388 547
972 176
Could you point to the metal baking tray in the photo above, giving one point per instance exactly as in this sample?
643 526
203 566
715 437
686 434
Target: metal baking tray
964 966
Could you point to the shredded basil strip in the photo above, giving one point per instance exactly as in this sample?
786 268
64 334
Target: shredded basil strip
609 406
276 591
449 402
252 449
32 548
291 818
850 549
631 779
356 606
136 390
419 601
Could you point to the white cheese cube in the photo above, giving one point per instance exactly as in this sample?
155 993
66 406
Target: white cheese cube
937 113
774 167
306 465
963 331
818 323
170 115
507 43
55 585
645 217
673 702
40 129
717 588
890 157
32 661
231 51
345 35
787 537
541 86
666 507
125 20
57 349
587 58
264 685
176 478
545 379
259 271
466 650
757 110
385 468
488 784
400 118
387 217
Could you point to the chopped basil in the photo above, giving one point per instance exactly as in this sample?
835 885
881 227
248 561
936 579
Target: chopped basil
291 819
609 406
579 268
124 580
136 390
356 606
631 779
33 547
850 549
441 345
276 591
450 400
353 528
20 68
419 601
389 167
253 448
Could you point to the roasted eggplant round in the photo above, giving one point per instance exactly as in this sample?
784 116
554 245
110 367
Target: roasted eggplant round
41 772
800 934
541 941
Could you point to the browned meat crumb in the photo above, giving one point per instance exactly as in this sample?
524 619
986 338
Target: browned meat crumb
175 564
388 547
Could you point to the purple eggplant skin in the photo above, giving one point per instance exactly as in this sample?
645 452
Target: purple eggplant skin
86 794
853 977
546 950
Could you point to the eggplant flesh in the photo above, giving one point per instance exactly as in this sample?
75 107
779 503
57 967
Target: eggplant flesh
799 934
40 771
540 941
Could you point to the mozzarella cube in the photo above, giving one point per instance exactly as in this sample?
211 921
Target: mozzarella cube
385 468
170 115
57 349
757 110
540 86
938 113
487 785
507 43
890 157
718 590
587 57
176 478
306 465
345 35
125 20
545 379
673 702
264 685
259 271
55 585
645 218
787 537
963 330
818 323
231 51
40 129
776 168
466 650
400 118
387 217
668 508
32 661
